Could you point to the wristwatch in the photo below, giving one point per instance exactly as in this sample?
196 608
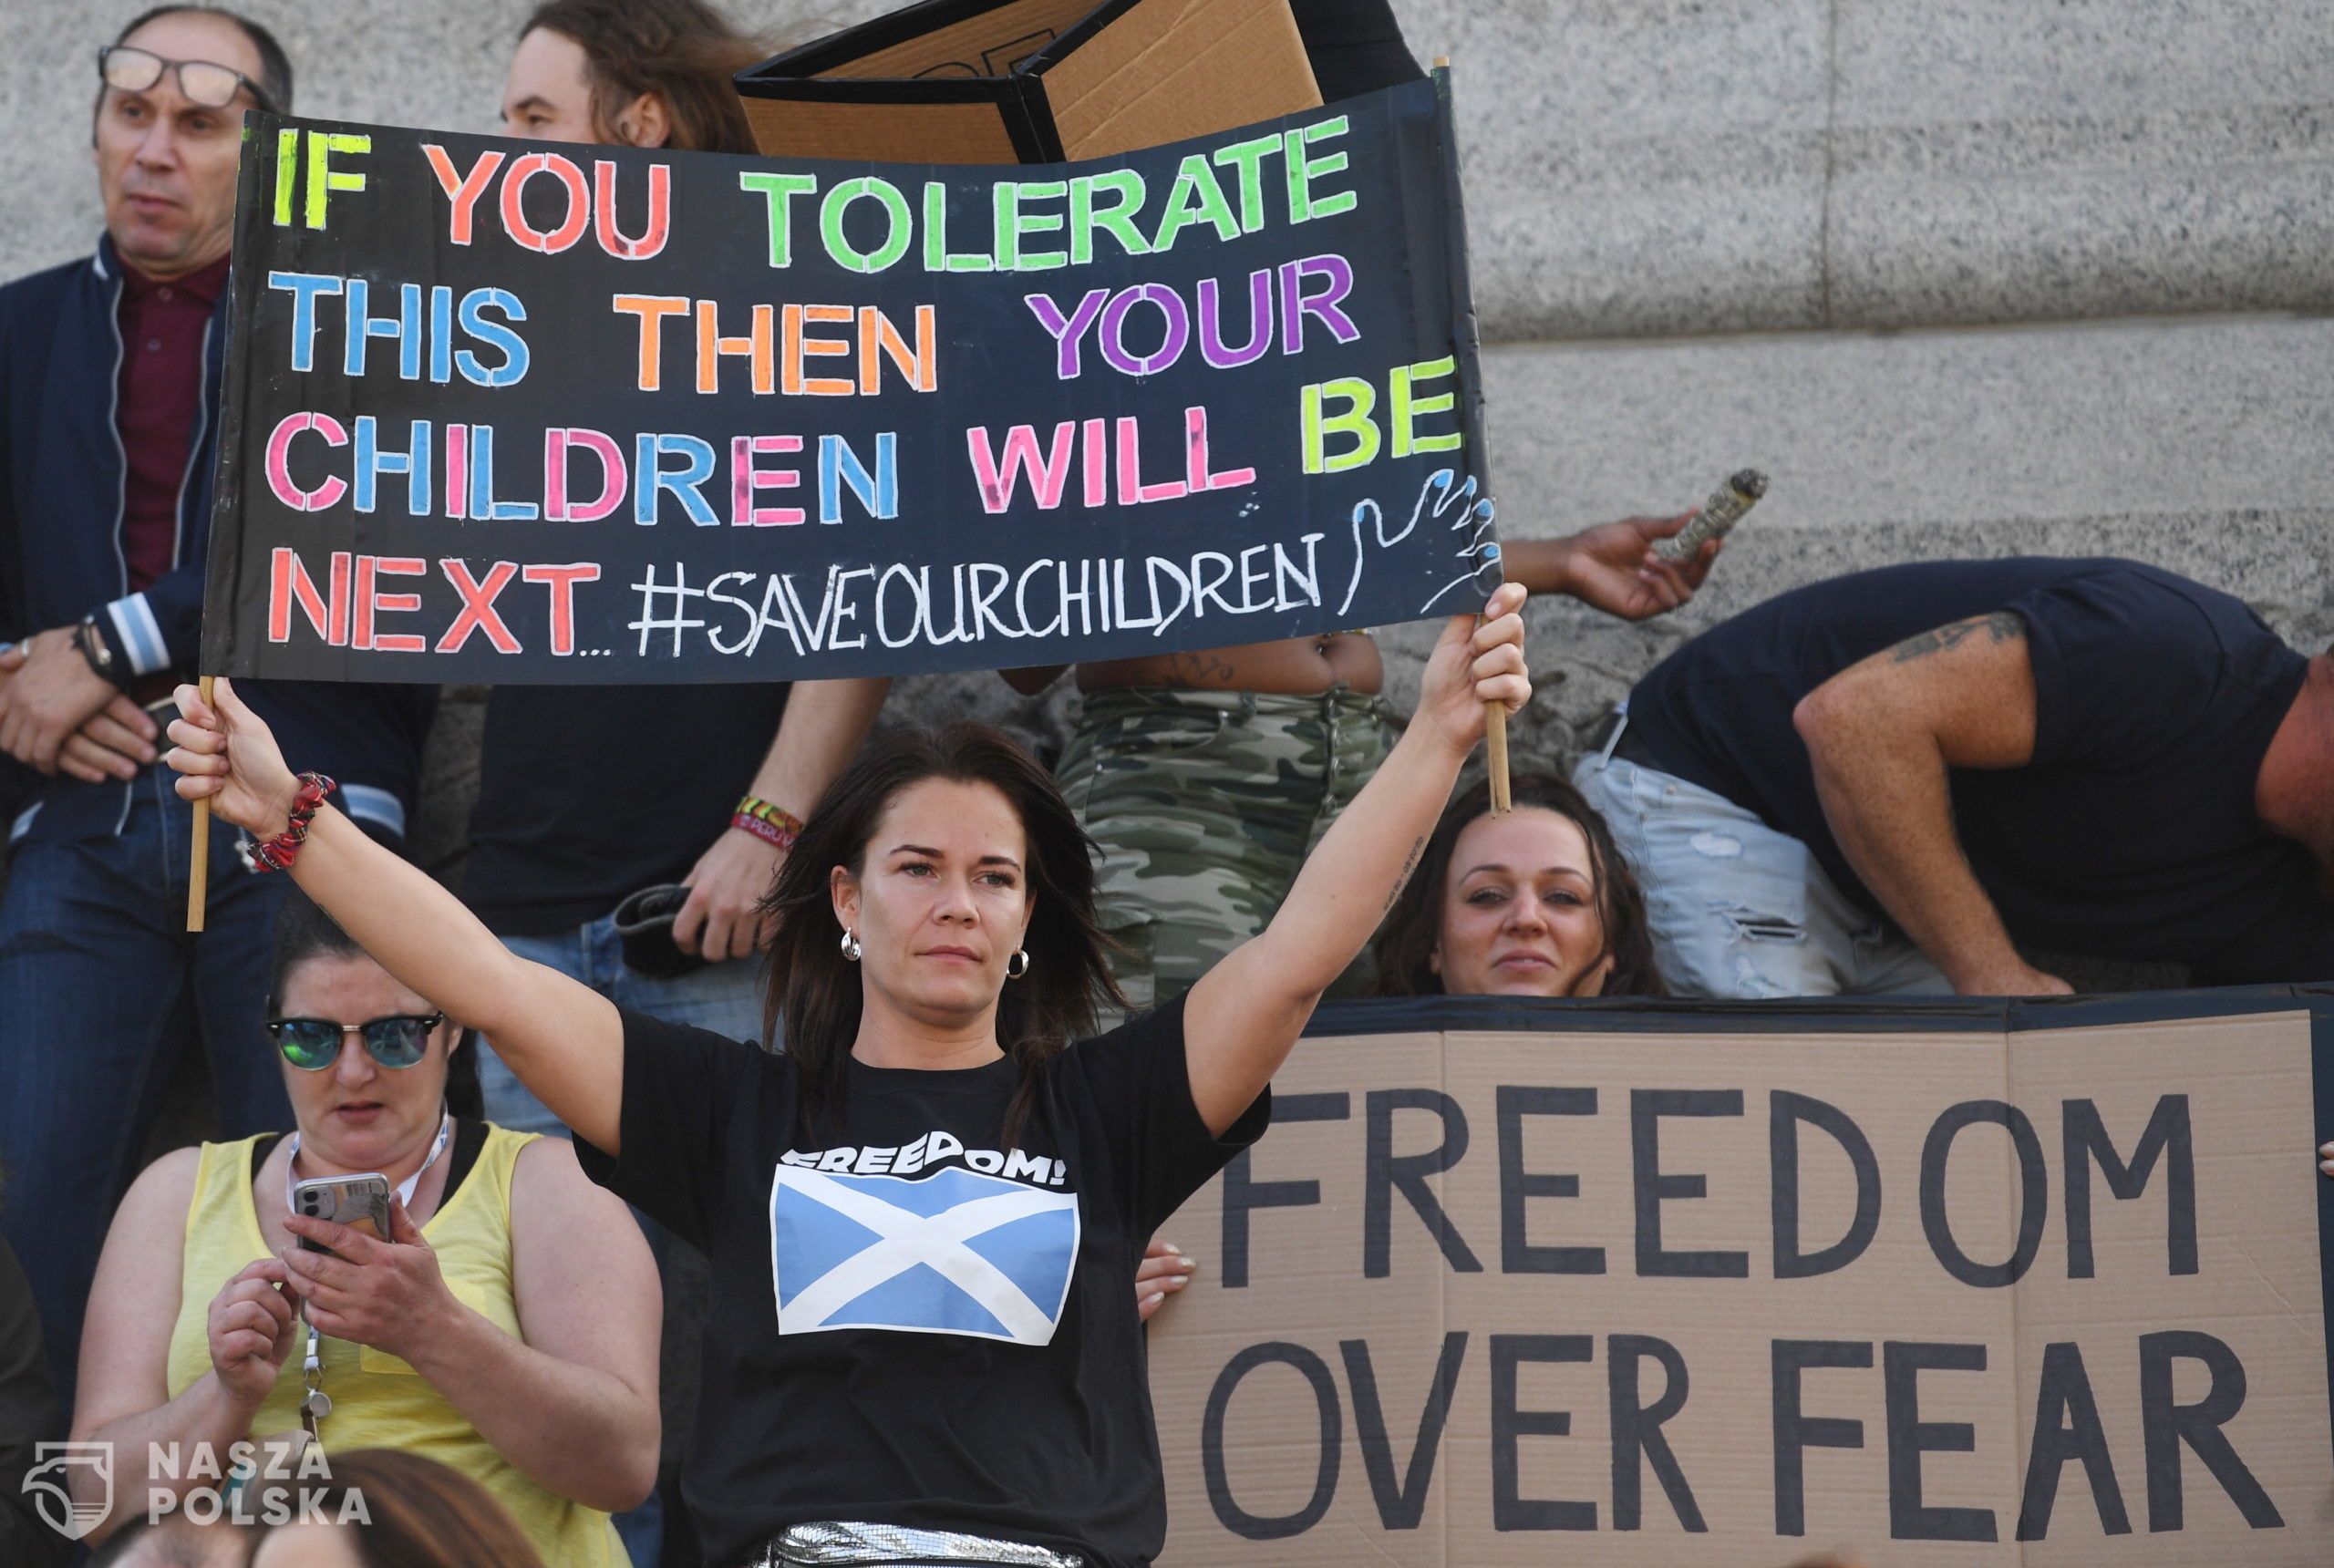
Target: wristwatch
94 647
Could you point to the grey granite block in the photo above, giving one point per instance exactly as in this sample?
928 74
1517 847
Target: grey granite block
1559 72
2170 418
1647 238
1638 168
2210 210
1910 62
1987 161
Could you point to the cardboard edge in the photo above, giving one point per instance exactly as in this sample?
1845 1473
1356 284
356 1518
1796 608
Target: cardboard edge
1096 71
1075 38
888 91
855 43
1806 1014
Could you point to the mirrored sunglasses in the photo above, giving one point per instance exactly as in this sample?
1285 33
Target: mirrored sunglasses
204 82
313 1043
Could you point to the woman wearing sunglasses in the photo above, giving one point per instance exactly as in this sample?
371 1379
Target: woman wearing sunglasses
508 1326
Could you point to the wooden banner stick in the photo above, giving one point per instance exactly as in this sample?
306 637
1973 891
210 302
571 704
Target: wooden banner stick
198 864
1495 746
1495 750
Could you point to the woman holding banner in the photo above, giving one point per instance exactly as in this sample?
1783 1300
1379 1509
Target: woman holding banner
921 1217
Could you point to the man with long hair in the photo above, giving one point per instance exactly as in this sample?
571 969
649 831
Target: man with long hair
716 778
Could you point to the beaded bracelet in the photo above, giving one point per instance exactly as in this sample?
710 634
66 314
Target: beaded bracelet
277 854
771 824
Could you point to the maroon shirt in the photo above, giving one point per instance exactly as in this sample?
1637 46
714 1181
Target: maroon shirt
163 327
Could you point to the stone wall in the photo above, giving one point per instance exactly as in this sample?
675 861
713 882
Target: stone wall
1636 167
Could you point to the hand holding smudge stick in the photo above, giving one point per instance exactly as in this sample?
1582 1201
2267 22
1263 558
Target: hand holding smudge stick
1727 506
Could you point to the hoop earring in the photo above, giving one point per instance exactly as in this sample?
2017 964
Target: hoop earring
849 946
1022 958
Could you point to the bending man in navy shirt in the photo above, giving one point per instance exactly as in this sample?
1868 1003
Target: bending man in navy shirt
1905 779
109 387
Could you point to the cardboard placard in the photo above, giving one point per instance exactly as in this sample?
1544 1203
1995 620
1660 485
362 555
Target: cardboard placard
518 414
1925 1285
1038 81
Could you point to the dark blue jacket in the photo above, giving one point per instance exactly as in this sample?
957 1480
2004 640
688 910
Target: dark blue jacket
62 556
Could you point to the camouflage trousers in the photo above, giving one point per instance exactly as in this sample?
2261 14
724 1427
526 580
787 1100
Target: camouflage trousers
1206 805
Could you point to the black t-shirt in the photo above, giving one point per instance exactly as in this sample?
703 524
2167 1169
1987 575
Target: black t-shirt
1355 46
2131 834
588 793
908 1326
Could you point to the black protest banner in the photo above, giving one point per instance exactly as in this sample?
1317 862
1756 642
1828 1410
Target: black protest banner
1724 1283
518 413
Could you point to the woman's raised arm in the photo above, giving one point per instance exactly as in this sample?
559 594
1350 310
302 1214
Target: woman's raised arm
563 1040
1244 1014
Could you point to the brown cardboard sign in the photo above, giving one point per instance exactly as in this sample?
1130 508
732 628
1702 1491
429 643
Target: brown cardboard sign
1030 81
1922 1287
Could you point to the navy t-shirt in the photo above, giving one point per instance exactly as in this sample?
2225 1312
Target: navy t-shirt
557 841
1355 46
2131 834
908 1323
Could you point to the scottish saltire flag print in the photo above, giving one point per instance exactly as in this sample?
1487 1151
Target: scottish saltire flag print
952 1252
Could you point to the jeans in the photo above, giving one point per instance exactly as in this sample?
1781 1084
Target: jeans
726 998
101 990
723 997
1738 908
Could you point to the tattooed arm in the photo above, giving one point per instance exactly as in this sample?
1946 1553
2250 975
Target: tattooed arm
1881 735
1245 1013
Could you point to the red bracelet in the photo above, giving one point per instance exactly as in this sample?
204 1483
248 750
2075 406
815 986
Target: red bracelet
772 824
277 854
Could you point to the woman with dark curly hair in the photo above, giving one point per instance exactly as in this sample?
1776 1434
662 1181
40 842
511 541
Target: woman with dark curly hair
1536 902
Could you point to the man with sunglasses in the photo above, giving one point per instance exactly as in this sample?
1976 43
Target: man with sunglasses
109 386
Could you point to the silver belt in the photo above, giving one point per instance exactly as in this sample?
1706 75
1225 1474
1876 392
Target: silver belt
893 1546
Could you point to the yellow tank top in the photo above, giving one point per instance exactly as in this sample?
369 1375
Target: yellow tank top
378 1400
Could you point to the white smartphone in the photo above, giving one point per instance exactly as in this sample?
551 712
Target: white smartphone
361 1202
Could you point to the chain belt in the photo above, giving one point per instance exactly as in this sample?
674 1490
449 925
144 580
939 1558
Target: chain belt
825 1543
